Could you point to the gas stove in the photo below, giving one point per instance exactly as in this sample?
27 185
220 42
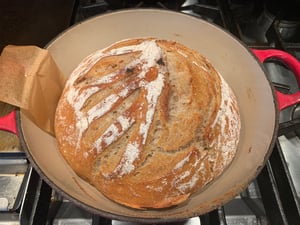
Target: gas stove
272 198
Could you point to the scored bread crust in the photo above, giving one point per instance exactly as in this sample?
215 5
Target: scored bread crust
148 122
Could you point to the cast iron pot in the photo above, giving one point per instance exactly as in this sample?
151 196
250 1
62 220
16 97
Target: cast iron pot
236 63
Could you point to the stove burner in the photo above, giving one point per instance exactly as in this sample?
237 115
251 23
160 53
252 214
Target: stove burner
286 17
256 19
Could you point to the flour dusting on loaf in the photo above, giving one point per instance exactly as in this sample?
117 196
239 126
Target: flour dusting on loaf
148 122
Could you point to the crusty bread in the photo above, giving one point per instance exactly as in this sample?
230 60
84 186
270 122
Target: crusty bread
147 122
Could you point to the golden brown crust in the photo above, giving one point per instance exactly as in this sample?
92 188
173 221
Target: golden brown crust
148 122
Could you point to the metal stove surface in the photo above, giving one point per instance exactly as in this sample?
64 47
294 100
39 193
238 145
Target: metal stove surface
291 146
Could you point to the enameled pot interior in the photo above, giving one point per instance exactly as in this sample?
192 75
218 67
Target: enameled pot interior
234 62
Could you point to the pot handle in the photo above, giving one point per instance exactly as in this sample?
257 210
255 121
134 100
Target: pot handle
9 123
284 100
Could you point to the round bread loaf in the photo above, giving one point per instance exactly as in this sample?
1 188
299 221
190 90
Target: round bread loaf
147 122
